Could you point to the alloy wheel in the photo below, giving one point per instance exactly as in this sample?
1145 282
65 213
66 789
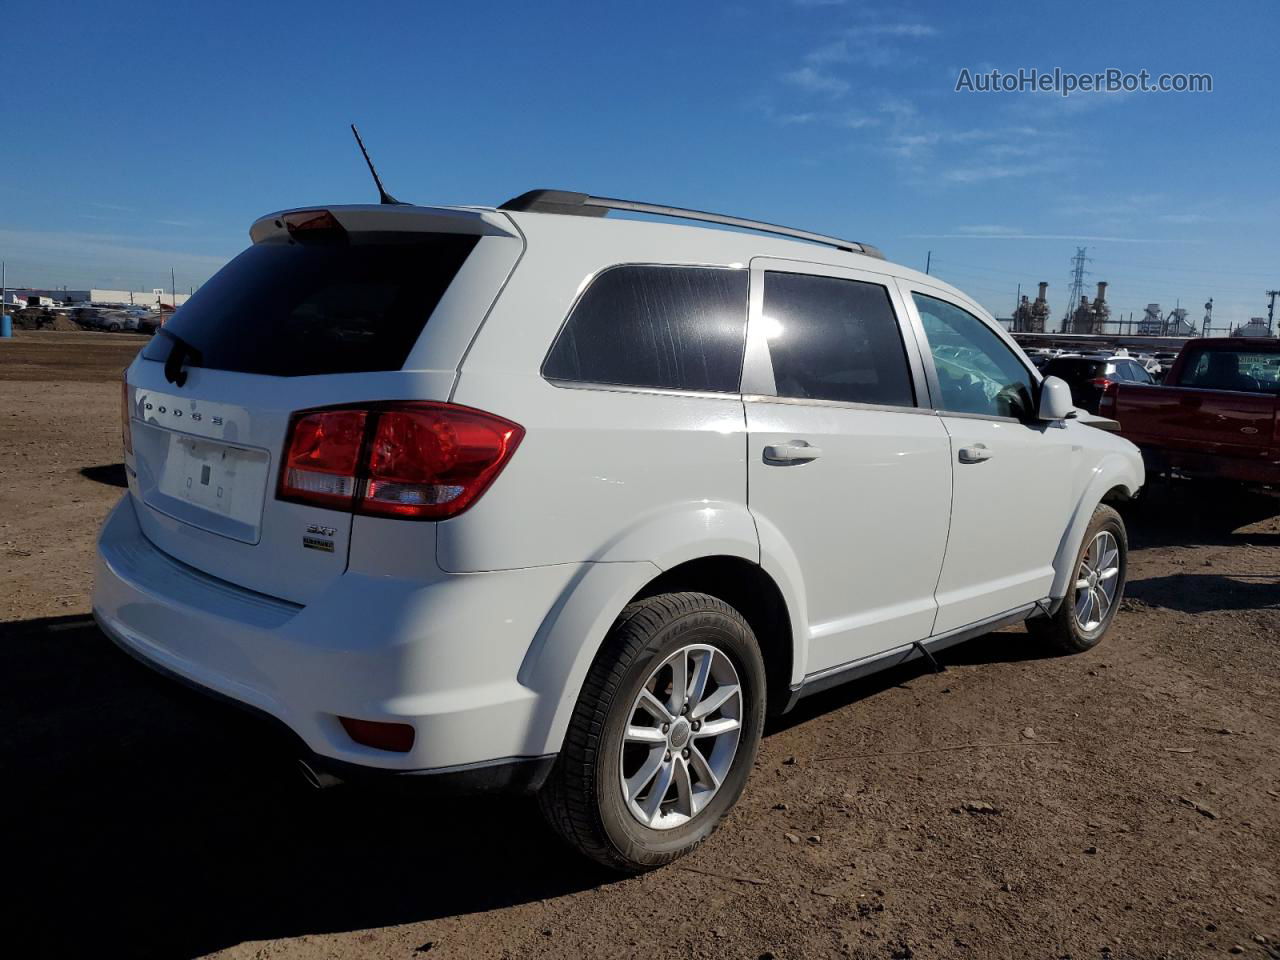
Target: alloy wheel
1096 581
681 737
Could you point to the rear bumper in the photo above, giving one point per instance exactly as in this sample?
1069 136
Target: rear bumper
441 656
511 775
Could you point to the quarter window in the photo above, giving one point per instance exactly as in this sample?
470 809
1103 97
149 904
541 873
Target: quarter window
977 372
834 339
679 328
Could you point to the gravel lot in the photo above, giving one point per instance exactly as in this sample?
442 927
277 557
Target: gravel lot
1124 803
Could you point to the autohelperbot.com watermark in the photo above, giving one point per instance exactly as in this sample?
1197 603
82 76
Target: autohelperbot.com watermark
1065 82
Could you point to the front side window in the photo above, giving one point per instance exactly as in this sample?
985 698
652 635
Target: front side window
977 372
678 328
834 339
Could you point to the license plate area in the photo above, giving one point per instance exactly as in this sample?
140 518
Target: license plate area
218 487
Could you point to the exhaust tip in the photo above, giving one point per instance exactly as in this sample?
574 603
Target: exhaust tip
316 778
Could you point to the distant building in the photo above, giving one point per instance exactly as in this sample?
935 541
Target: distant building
1256 327
148 299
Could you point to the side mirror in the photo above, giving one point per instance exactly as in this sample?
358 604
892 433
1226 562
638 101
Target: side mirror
1055 399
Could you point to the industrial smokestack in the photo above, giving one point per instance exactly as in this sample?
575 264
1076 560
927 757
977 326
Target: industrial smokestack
1102 291
1043 288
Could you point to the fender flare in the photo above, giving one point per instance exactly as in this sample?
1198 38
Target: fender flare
1113 470
571 634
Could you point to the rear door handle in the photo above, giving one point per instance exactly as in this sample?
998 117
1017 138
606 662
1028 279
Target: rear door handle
974 453
797 451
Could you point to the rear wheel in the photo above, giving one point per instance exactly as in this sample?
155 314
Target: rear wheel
664 733
1096 588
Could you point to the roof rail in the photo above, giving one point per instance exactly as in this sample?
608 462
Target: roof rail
585 205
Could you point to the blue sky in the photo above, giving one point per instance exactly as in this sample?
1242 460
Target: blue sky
160 131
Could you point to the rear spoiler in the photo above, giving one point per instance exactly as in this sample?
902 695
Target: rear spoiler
366 218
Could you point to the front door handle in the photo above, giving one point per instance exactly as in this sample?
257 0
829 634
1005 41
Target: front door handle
797 451
974 453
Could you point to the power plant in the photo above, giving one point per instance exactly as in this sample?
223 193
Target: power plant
1091 317
1031 317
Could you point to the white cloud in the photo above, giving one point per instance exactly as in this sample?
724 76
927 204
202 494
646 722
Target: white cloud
913 30
987 172
816 81
1184 218
1026 236
990 230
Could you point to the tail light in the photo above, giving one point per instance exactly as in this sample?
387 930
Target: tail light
322 457
1102 382
126 431
1107 402
396 737
418 461
313 227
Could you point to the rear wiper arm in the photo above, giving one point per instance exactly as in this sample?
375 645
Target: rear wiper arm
179 353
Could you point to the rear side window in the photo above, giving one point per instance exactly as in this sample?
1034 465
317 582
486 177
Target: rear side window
1232 370
678 328
834 339
290 310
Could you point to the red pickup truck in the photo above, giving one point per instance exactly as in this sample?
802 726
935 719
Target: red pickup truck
1216 416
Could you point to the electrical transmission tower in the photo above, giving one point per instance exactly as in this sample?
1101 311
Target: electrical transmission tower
1078 273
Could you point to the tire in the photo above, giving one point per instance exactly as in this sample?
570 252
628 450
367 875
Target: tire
586 798
1076 627
114 328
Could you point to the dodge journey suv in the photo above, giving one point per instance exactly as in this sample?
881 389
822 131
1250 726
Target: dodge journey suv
535 499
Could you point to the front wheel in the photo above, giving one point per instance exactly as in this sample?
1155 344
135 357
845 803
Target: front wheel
1096 588
663 735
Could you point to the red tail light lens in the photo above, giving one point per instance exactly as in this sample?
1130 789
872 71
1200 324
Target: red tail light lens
397 737
1102 382
433 461
322 457
1107 404
126 430
421 461
313 226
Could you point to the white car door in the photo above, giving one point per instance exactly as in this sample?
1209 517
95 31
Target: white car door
1012 473
848 469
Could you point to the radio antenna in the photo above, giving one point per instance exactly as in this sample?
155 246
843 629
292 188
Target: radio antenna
383 196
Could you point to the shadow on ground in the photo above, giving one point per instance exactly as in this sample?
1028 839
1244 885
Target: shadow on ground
112 474
1190 513
1201 592
172 829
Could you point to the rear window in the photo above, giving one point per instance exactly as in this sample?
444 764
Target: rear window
1239 370
292 310
1075 370
678 328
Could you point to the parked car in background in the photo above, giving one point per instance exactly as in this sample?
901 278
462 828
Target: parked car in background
1216 416
1090 374
531 498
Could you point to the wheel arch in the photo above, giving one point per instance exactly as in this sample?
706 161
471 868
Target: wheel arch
572 634
1115 479
750 590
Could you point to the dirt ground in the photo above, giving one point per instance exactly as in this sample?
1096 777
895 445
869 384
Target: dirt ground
1123 803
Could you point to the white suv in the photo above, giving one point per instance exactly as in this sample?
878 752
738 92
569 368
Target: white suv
532 499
